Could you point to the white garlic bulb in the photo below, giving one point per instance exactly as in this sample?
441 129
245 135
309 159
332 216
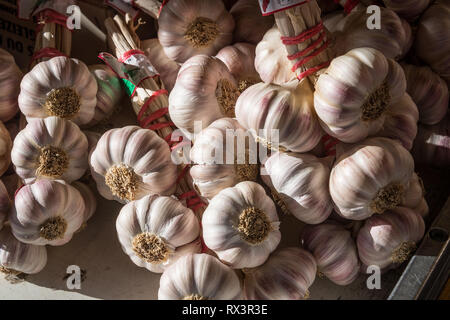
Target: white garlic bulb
288 111
190 27
17 257
129 163
299 183
90 201
5 203
241 225
199 277
356 93
5 149
370 177
334 251
211 175
408 9
389 239
109 92
50 148
60 87
205 91
47 212
286 275
10 77
155 231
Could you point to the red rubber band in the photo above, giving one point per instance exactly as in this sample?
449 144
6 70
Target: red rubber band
302 37
130 53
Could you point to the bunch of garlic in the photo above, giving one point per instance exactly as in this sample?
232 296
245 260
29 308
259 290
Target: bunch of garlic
190 27
10 77
129 163
51 148
241 225
60 87
199 277
156 231
5 149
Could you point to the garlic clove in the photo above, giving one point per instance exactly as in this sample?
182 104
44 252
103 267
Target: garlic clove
90 200
10 77
5 149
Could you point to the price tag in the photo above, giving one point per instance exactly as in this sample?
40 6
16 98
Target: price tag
269 7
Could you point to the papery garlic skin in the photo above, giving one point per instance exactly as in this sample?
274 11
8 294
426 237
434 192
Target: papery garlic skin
286 275
429 92
389 239
154 231
370 177
191 27
422 208
90 200
61 87
10 77
167 68
241 225
17 257
287 110
109 92
408 9
129 163
5 149
205 91
199 277
334 251
415 193
47 212
51 148
271 60
357 91
250 24
5 203
300 181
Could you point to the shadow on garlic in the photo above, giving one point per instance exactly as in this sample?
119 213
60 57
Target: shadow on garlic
90 201
5 149
5 203
10 77
407 9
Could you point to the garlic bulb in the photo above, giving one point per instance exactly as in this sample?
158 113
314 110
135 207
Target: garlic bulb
401 122
240 60
92 138
299 182
10 77
5 149
408 9
210 174
241 225
17 257
90 201
129 163
47 212
389 239
205 91
415 193
155 231
429 92
250 24
370 177
334 251
109 92
60 87
50 148
271 60
199 277
5 203
167 69
432 144
286 110
431 44
286 275
356 93
422 209
191 27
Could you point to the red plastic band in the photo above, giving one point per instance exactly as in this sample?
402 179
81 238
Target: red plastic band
51 16
130 53
46 53
302 37
329 144
310 71
142 121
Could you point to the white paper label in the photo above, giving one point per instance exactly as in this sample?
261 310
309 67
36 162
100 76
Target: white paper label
28 8
123 6
269 7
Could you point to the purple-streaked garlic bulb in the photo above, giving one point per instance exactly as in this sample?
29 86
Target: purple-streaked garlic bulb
10 77
155 231
214 171
17 257
5 203
241 225
387 240
205 91
190 27
370 177
5 149
354 96
429 92
50 148
334 251
299 183
109 92
60 87
90 200
407 9
129 163
286 275
199 277
284 113
47 212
